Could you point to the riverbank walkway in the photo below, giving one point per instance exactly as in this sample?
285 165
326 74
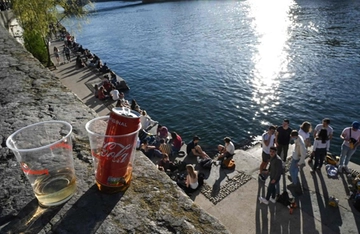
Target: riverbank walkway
232 196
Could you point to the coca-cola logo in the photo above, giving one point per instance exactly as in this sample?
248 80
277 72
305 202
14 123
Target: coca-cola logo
118 152
117 122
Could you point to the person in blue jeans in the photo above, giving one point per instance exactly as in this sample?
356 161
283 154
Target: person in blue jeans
298 158
274 172
351 137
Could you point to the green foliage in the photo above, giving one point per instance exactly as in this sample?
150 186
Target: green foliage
34 43
36 16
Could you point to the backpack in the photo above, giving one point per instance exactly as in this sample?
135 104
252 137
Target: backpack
284 198
330 160
286 201
228 164
201 178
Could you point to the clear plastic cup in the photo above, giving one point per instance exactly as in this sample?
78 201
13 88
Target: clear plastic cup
113 155
44 152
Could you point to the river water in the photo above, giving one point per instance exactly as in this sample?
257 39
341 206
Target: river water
232 68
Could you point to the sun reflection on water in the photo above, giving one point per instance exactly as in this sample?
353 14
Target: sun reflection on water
271 23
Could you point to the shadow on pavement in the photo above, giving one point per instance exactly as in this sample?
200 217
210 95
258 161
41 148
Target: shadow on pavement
261 215
31 219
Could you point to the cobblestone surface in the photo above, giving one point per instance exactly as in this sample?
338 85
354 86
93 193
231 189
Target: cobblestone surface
231 185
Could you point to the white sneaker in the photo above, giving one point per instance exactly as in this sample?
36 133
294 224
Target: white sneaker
340 169
263 200
346 169
273 200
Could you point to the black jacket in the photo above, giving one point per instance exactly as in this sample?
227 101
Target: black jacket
276 168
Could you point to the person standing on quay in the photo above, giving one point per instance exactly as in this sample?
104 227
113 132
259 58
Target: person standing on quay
351 137
275 172
298 158
66 52
268 140
304 131
324 125
282 139
320 148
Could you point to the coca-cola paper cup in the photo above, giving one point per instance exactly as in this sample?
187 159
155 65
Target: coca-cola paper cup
113 155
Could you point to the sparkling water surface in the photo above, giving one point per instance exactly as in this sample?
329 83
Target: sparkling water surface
232 68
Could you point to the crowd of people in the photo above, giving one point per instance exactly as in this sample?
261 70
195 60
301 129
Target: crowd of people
275 141
5 5
275 146
109 87
160 145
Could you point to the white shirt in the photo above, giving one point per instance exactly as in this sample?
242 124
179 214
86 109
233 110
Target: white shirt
318 144
230 147
329 129
305 135
346 134
265 137
299 150
145 121
115 94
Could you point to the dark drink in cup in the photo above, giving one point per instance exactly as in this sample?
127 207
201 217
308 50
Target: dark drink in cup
115 158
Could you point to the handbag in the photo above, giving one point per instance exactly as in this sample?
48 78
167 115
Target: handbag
352 142
228 163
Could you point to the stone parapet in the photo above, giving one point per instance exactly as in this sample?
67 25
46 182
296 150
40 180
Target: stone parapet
153 204
5 18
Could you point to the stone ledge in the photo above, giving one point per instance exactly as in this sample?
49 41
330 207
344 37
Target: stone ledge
152 204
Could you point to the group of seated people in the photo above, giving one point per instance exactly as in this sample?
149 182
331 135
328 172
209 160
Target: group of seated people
225 151
162 147
160 144
106 90
189 182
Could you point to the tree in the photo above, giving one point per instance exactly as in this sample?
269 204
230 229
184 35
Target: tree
37 17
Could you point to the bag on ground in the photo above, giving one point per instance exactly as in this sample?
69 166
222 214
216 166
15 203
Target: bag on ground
228 163
205 163
284 198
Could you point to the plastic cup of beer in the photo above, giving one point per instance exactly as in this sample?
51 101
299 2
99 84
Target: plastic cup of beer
113 155
44 152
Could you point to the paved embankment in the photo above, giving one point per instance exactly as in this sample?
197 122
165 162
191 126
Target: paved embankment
237 206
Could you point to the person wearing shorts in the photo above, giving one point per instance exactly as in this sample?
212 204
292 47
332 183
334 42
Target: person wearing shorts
268 140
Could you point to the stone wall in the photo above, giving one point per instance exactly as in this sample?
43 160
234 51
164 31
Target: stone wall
152 204
5 18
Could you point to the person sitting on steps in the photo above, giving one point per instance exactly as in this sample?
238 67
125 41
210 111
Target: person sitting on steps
162 132
193 149
104 68
164 147
101 94
192 181
114 93
176 142
166 165
227 151
149 150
